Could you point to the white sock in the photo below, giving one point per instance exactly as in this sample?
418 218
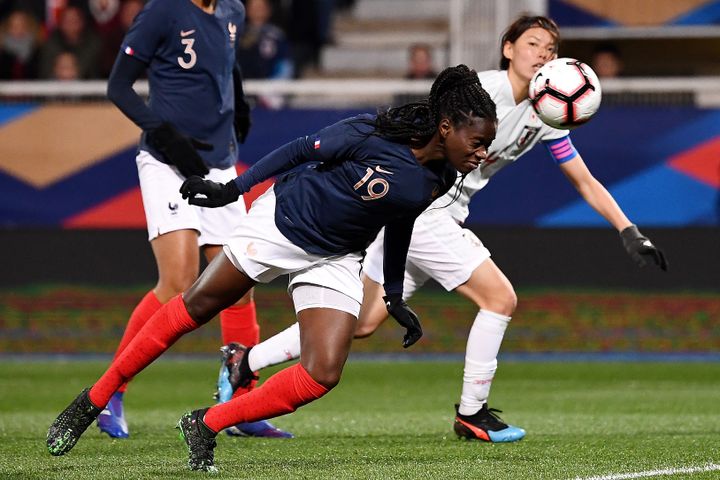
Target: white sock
483 346
281 347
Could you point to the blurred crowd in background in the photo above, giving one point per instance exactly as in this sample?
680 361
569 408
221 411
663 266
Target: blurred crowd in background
79 40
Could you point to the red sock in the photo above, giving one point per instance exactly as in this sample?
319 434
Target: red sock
168 324
239 324
142 313
282 393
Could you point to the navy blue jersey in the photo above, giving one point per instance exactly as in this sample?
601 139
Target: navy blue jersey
343 185
190 56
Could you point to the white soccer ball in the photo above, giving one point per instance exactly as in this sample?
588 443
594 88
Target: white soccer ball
565 93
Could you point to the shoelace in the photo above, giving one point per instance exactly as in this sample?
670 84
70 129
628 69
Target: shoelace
492 412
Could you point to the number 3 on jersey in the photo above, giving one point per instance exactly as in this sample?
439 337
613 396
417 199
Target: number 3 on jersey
376 188
188 42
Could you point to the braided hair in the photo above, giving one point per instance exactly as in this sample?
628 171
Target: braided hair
456 94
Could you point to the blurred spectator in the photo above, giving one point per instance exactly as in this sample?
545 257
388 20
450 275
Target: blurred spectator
263 48
72 35
66 67
419 67
104 14
113 31
36 9
606 61
20 37
420 62
309 28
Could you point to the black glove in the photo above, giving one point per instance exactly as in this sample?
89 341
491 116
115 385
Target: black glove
242 120
213 194
404 315
640 247
179 150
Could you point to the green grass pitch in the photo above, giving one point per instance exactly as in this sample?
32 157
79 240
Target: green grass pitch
385 420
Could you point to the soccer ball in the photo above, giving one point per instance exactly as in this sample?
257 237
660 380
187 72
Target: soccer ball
565 93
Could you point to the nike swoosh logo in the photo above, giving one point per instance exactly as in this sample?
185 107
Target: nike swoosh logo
185 34
379 169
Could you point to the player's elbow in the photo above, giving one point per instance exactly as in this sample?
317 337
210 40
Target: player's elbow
113 91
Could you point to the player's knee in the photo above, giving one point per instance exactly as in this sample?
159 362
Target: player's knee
370 319
181 284
326 374
327 378
502 301
365 329
175 285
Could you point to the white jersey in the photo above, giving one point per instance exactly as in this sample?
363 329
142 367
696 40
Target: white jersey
519 129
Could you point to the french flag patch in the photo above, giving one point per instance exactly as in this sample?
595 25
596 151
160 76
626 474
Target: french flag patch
317 143
129 50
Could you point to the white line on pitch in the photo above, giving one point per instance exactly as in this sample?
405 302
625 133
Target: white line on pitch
710 467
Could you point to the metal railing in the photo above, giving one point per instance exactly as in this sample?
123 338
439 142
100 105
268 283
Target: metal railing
698 91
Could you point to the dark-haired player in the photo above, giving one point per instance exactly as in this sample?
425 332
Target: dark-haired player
191 126
338 188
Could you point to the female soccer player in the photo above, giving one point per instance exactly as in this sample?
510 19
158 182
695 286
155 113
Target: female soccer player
188 51
338 189
441 249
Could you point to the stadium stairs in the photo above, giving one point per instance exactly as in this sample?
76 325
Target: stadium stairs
372 39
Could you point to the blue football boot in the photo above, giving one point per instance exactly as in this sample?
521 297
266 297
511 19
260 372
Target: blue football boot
112 419
485 425
235 373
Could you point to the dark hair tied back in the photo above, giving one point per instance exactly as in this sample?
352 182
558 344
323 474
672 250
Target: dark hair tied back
456 94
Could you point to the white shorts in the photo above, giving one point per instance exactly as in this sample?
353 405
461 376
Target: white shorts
166 211
439 249
260 250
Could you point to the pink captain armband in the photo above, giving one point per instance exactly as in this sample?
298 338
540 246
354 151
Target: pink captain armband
561 149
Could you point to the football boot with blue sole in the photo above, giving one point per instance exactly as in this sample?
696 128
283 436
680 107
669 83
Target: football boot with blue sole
112 419
235 373
261 428
485 425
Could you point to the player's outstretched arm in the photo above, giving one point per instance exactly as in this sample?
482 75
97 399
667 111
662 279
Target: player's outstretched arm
206 193
638 246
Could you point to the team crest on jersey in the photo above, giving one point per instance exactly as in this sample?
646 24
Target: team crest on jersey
232 28
527 135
